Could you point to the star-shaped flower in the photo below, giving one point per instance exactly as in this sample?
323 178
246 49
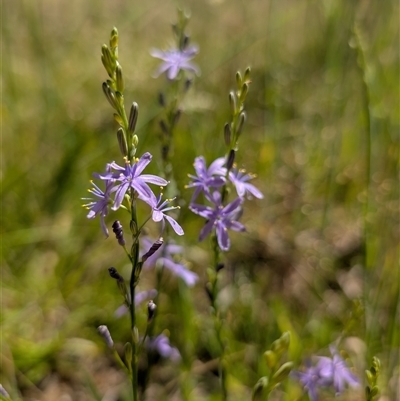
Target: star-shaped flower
207 178
221 217
239 179
131 176
175 60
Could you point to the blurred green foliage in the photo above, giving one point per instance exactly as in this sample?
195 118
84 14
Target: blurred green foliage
322 135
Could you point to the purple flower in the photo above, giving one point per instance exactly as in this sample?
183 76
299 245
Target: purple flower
166 256
132 177
99 207
336 371
213 177
219 217
159 207
239 179
161 345
310 380
175 60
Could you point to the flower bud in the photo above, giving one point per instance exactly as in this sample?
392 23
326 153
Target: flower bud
283 372
259 389
154 248
239 79
270 358
242 120
107 60
118 231
123 147
232 102
231 159
151 310
119 78
243 92
110 95
128 353
105 333
133 116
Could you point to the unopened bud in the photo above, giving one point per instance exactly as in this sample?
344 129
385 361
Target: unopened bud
164 127
119 78
246 77
151 310
128 353
259 389
209 292
242 120
110 95
243 92
270 358
107 60
185 42
118 231
283 372
231 159
154 248
232 102
177 115
133 116
114 39
219 267
239 79
123 147
105 333
188 84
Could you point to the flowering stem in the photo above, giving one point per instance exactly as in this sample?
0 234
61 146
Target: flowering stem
132 286
217 319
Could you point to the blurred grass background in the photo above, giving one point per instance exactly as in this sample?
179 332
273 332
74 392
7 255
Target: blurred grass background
322 135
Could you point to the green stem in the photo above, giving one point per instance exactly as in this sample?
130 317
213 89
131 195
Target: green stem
218 321
132 286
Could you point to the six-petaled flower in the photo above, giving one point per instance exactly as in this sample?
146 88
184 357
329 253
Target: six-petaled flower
221 217
175 60
207 178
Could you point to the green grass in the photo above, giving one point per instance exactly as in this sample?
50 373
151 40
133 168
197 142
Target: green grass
322 136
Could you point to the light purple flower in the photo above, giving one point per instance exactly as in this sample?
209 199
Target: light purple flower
159 208
221 217
213 177
239 179
166 256
336 371
175 60
99 207
132 177
161 345
310 380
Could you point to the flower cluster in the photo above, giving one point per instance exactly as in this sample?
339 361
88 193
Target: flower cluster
219 216
327 372
128 180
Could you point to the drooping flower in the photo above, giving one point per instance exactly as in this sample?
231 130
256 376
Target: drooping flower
100 206
213 177
161 345
166 256
239 179
221 217
336 371
175 60
132 177
159 208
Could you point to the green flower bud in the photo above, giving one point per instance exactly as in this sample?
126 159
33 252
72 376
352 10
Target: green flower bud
374 391
271 358
239 80
243 92
128 353
232 102
108 92
133 116
283 372
242 120
260 389
119 78
107 60
246 77
370 377
123 147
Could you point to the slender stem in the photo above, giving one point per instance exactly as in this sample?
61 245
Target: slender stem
132 286
218 321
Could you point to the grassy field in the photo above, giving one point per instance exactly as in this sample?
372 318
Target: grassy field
320 257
